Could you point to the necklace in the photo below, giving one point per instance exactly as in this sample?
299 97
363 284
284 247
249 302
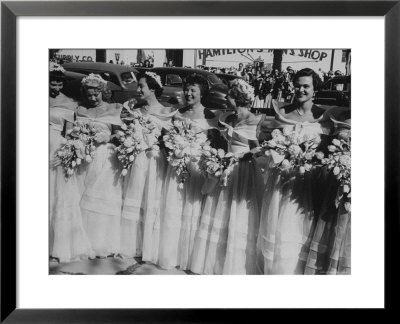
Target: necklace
300 113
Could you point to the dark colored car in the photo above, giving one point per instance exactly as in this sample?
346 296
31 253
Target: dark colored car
121 75
172 78
227 78
335 92
172 94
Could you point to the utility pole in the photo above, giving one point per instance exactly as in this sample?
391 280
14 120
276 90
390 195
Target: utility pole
332 58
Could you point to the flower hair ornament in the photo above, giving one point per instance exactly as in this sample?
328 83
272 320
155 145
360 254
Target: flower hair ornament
154 76
94 81
241 90
57 68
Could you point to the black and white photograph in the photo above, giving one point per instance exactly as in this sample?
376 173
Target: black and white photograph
200 161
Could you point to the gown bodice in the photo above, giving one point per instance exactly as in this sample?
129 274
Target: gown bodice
102 117
62 109
159 119
240 135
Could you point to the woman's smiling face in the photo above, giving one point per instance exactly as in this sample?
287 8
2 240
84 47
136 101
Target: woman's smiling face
94 97
55 88
143 89
192 94
304 89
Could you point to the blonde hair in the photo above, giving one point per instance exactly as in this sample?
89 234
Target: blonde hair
241 92
94 81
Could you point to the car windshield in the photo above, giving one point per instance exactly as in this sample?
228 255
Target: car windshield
173 79
214 79
128 78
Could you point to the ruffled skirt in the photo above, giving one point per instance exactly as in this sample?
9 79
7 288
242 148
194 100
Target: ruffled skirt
287 217
101 202
226 239
68 238
329 246
140 223
180 216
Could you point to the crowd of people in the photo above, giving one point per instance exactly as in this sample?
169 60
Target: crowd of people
197 190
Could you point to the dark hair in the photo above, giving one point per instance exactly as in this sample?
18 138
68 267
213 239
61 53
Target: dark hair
151 83
198 79
317 82
57 76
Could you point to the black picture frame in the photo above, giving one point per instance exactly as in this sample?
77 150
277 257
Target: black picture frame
10 10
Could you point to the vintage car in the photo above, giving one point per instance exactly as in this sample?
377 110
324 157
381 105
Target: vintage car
335 92
227 78
121 75
172 78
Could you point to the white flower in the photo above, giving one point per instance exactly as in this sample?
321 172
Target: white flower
308 156
55 67
346 188
319 155
124 172
336 142
302 170
124 127
78 161
155 77
286 131
307 166
276 133
285 164
128 142
88 159
345 160
332 148
221 153
336 170
294 149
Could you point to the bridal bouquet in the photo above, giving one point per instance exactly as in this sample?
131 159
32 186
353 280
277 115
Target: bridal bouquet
78 147
217 163
138 133
184 146
338 162
290 149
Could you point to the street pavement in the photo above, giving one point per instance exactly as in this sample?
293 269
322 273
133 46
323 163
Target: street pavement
110 266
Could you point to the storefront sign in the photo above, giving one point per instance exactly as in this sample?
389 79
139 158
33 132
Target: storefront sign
315 55
219 52
75 58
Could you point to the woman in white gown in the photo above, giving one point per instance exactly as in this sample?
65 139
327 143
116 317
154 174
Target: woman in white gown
329 246
101 201
67 238
287 213
226 238
181 207
140 223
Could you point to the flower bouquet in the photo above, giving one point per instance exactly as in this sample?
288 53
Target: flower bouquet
183 144
138 133
78 147
290 150
338 162
217 163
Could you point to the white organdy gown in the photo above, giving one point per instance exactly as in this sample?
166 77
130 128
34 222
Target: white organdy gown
287 212
140 222
226 239
101 201
67 238
181 210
